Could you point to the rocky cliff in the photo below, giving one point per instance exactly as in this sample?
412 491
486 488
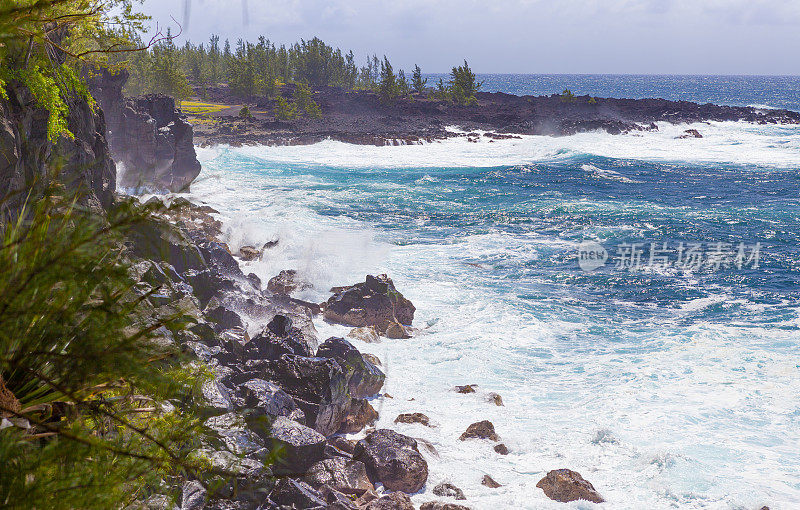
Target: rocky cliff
29 160
149 138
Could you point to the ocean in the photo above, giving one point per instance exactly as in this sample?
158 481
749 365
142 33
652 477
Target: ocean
634 299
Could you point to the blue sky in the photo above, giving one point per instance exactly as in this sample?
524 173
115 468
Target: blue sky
524 36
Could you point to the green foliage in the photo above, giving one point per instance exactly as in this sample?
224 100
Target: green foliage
463 85
417 82
112 407
244 113
304 100
284 110
592 100
45 43
567 96
388 89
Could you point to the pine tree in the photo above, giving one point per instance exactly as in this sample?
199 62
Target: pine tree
417 82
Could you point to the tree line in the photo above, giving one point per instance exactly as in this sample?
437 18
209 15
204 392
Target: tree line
261 68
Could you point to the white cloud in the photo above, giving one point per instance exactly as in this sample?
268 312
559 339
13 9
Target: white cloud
672 36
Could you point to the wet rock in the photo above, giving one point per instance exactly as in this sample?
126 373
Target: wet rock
501 449
438 505
249 253
469 388
413 418
372 359
364 378
397 331
393 501
494 398
394 460
691 133
367 334
359 415
223 318
480 430
343 475
300 446
488 481
318 387
343 444
337 500
267 398
449 490
565 485
296 494
286 283
375 302
281 337
194 496
161 241
428 446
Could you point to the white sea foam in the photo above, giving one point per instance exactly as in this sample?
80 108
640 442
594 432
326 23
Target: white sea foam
697 416
722 142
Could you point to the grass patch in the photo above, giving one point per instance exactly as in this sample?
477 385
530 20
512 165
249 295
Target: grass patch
198 108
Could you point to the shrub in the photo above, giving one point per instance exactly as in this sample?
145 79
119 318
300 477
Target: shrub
112 410
244 113
417 83
284 110
567 96
463 85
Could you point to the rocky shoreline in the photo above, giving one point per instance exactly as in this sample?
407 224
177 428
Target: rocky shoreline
360 117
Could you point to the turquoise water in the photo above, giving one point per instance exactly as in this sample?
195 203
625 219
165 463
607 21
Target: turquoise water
771 91
666 386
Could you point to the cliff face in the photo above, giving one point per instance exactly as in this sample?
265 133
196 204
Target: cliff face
28 160
148 136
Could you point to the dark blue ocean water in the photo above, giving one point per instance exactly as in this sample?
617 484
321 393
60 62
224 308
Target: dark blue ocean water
772 91
669 376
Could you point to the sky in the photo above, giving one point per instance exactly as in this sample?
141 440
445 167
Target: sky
519 36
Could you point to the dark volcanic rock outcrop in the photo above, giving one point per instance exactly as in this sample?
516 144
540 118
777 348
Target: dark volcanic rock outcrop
29 157
394 460
149 137
564 485
375 302
361 117
364 378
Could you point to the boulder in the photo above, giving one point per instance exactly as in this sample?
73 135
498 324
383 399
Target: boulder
359 415
393 459
494 398
375 302
488 481
413 418
501 449
267 398
397 331
249 253
367 334
392 501
341 474
469 388
480 430
343 444
372 359
565 485
193 496
299 446
449 490
318 387
286 283
296 494
363 378
280 337
691 133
